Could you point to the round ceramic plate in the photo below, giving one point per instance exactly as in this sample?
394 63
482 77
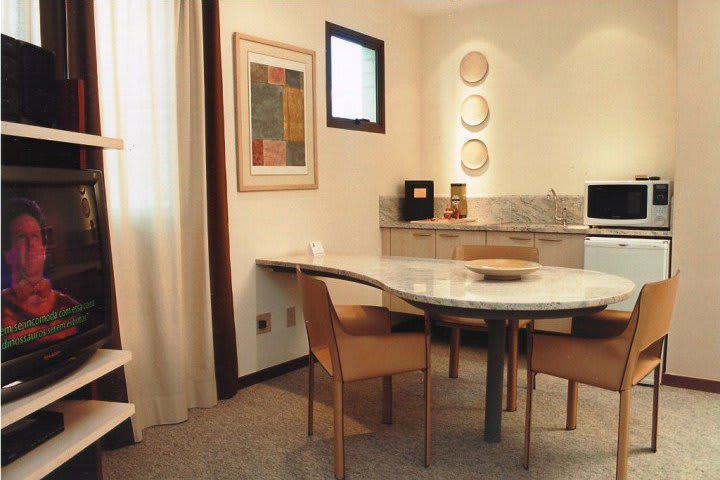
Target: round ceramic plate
473 67
502 268
474 110
474 154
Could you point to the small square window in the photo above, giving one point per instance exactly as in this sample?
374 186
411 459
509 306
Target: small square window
355 66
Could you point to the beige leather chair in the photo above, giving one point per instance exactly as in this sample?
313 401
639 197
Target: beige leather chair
354 343
476 252
617 362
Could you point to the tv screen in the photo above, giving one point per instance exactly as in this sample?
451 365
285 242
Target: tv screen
55 263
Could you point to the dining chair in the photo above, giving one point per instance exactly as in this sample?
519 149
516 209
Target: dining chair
355 343
456 324
614 363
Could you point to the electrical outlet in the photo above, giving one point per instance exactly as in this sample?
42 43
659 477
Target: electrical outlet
290 316
263 323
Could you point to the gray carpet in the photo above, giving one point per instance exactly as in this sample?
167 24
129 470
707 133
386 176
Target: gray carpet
261 433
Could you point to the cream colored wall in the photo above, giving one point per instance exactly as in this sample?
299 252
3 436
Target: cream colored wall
576 90
694 342
354 167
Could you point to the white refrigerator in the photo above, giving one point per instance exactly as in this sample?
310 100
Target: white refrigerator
638 259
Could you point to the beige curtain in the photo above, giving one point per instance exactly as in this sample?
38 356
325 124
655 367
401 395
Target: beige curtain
151 94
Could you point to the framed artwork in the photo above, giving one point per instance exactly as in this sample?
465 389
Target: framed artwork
275 115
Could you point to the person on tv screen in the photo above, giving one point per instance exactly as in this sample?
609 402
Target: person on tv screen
32 312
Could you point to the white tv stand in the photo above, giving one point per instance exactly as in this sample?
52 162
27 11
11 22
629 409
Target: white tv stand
85 420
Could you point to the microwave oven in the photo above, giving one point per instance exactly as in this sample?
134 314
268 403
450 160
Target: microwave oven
631 203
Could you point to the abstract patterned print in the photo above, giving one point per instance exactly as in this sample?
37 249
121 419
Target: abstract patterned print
277 116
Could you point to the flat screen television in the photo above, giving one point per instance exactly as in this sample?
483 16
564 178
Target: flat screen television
56 275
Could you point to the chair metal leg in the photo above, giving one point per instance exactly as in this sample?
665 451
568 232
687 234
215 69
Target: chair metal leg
339 428
427 389
311 391
387 399
528 400
623 433
528 419
454 352
572 398
427 417
512 366
656 408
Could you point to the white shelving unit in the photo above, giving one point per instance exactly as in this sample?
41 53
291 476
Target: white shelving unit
85 420
63 136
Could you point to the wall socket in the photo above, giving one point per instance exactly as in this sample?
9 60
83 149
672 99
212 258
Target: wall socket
290 318
263 323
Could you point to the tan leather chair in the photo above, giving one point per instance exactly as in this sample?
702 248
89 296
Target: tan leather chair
615 363
476 252
354 343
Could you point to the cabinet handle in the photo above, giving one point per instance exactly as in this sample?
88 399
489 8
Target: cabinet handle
550 239
449 235
520 238
422 234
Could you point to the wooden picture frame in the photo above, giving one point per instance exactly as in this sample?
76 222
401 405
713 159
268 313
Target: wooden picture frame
275 115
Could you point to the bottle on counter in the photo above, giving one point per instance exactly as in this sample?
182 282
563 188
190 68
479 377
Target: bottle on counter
455 202
460 189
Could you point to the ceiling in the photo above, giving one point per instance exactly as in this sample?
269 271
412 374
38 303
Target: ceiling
426 8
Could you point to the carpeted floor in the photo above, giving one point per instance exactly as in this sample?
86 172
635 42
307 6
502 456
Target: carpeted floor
261 433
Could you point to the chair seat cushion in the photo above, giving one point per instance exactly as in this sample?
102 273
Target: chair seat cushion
357 320
364 319
371 356
593 361
604 324
590 361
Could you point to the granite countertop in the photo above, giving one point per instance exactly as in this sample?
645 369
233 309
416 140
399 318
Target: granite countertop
448 283
529 227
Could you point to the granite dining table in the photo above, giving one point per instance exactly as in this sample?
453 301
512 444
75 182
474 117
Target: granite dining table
448 287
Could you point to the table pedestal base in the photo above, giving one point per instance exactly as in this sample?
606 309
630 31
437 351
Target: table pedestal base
494 385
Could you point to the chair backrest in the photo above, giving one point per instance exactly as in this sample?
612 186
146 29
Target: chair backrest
649 323
320 317
477 252
316 310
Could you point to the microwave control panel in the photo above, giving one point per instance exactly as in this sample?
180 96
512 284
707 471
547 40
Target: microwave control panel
661 204
661 194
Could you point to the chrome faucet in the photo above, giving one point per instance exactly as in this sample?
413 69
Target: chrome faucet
551 195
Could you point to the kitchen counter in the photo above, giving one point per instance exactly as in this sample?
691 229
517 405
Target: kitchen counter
529 227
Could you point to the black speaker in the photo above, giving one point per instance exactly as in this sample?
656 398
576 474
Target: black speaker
28 83
419 199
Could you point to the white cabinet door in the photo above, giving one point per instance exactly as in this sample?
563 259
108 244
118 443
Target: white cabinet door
520 239
559 250
447 240
410 242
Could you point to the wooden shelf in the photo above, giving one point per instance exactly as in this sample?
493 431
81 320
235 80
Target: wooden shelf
85 422
63 136
101 363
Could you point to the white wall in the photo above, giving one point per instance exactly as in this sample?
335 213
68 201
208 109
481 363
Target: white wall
694 342
576 90
354 167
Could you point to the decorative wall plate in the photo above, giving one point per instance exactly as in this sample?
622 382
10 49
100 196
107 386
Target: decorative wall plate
474 110
473 67
474 154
